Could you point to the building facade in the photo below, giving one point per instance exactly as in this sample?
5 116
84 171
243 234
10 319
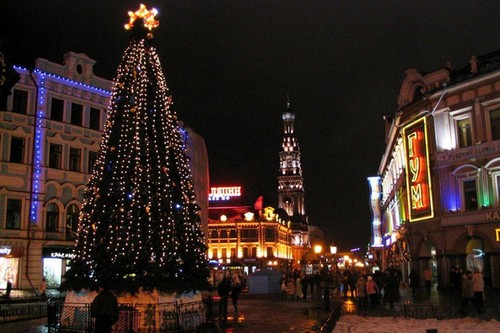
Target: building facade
291 192
251 238
50 134
436 199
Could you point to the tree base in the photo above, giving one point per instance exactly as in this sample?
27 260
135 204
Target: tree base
143 311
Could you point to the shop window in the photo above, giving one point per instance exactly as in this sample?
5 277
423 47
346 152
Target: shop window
55 156
72 222
20 101
464 132
16 150
75 156
470 194
475 254
13 217
51 218
56 109
94 119
495 124
224 253
91 161
233 252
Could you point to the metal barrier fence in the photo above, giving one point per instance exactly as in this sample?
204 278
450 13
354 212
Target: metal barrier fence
419 311
13 312
162 317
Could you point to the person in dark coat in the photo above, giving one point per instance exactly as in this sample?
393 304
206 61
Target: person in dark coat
414 281
235 291
104 309
224 289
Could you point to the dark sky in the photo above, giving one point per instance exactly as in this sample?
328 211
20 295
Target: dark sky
231 64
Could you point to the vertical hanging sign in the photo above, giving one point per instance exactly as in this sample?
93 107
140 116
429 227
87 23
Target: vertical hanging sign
419 190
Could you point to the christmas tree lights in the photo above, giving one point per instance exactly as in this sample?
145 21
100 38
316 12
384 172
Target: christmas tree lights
139 225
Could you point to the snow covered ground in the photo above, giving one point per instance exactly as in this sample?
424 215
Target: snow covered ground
355 324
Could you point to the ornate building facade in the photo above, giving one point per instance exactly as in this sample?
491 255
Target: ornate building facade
50 133
252 238
291 188
436 199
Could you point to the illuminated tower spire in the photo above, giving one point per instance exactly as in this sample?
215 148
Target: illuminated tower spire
290 180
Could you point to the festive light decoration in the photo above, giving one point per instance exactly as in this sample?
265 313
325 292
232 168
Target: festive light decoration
139 225
148 16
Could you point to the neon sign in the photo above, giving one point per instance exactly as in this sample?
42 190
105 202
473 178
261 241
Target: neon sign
224 193
419 192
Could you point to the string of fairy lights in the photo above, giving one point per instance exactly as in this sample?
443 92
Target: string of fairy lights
140 207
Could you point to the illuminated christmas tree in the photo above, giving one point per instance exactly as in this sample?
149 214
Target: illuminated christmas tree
139 225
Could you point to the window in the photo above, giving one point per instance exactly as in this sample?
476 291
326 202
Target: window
72 222
76 114
92 161
13 218
74 159
232 234
254 252
214 234
52 218
470 194
249 235
223 234
270 253
270 235
94 119
224 253
20 101
55 155
245 252
56 109
464 132
17 150
495 124
233 252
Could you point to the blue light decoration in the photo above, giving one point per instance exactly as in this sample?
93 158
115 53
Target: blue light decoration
39 135
38 150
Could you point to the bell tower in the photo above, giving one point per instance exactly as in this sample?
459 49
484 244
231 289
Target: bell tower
291 182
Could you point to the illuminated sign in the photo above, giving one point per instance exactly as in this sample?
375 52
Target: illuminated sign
5 250
419 192
498 234
224 193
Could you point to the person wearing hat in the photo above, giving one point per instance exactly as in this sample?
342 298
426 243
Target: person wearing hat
104 309
372 291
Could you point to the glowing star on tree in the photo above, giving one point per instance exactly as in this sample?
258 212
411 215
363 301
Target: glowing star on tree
148 16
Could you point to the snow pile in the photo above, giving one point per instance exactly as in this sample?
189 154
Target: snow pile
355 324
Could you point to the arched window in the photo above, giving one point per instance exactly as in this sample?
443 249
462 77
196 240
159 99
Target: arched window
72 222
52 217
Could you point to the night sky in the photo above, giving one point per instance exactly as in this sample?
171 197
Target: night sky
231 64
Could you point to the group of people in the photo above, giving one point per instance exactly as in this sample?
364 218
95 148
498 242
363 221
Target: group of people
471 286
297 285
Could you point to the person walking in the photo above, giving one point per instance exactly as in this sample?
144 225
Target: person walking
467 293
428 280
224 289
235 291
478 288
104 309
42 290
361 292
372 291
413 282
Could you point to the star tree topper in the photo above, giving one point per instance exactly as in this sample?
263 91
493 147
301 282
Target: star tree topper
147 16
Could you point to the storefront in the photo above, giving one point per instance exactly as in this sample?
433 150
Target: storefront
55 264
10 259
